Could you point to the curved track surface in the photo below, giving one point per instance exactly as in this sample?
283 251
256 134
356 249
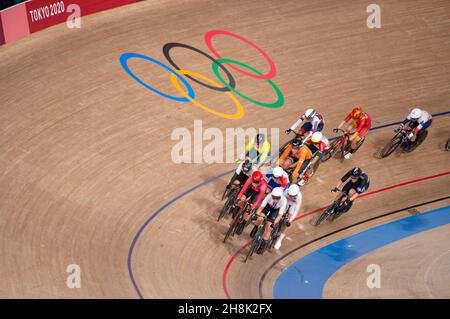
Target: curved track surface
85 152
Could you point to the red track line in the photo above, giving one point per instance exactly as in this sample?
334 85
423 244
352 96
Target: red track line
230 262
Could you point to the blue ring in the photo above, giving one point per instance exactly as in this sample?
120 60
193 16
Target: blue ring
123 61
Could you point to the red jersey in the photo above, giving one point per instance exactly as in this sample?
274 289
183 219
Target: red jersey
363 124
260 189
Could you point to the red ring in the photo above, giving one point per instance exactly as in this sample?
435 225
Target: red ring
273 70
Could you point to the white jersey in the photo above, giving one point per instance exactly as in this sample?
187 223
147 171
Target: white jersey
293 207
315 121
326 141
279 204
422 120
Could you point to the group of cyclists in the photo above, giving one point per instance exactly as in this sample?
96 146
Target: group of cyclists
277 193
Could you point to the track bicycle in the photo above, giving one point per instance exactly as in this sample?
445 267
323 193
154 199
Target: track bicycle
341 145
333 211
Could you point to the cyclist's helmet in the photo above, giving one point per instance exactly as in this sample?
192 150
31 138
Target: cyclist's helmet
247 166
357 112
309 114
293 190
277 172
277 192
259 139
416 114
316 137
356 172
257 177
297 143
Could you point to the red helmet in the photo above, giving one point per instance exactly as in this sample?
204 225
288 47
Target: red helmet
357 112
257 177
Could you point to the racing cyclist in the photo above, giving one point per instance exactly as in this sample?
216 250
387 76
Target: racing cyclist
294 202
418 120
277 178
356 182
257 150
312 121
359 126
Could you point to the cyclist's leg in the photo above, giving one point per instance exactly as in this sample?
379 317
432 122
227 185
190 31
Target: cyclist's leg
272 215
424 128
347 203
303 167
252 199
412 126
292 214
258 221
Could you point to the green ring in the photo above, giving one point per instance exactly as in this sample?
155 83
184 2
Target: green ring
278 103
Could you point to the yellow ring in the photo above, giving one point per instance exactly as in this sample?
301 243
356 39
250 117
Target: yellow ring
240 110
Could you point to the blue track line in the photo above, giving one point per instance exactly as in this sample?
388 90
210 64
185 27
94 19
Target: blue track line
162 208
307 277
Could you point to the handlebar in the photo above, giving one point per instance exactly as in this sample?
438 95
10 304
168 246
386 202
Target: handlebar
340 130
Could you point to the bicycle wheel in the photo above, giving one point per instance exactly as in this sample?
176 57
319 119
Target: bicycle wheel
391 146
226 208
251 250
225 192
336 215
255 243
324 216
276 234
234 223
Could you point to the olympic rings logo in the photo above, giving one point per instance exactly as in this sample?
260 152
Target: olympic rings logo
178 75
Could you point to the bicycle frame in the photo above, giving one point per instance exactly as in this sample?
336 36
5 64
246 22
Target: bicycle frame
256 242
344 138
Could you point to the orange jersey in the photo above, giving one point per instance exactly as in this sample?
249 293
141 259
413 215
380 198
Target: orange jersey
302 154
361 125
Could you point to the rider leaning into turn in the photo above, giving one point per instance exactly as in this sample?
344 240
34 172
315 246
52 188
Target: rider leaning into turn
277 177
312 121
359 182
242 173
418 120
253 190
359 126
294 202
302 155
257 150
273 206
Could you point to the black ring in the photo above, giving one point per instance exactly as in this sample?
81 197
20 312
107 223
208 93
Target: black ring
170 45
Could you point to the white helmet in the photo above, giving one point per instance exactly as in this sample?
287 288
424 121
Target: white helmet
293 190
309 114
277 192
277 172
316 137
416 114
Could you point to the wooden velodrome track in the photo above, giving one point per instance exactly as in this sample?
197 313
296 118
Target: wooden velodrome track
85 150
